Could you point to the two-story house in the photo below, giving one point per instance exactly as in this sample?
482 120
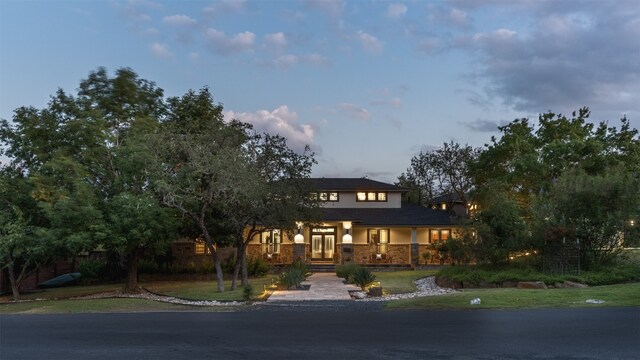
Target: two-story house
363 221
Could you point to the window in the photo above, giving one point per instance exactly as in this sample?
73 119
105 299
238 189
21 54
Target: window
271 241
371 196
439 235
380 239
325 196
201 248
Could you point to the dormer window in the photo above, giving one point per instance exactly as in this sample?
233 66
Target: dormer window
371 196
325 196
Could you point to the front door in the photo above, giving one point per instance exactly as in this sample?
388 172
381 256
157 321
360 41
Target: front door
323 244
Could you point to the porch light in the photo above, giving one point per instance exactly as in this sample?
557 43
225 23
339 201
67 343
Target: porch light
299 238
346 238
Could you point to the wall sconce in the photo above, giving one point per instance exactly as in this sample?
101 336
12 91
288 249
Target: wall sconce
346 238
299 238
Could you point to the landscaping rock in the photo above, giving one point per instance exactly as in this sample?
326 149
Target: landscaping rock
531 285
358 295
509 284
487 285
559 285
475 301
571 284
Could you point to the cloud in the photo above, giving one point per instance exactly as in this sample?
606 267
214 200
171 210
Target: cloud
368 42
160 50
277 41
587 54
332 8
451 17
290 60
393 102
224 6
396 10
483 125
179 20
354 111
280 121
219 42
429 45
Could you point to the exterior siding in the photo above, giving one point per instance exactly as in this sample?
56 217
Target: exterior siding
348 200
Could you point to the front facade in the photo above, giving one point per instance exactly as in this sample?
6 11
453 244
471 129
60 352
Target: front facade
363 221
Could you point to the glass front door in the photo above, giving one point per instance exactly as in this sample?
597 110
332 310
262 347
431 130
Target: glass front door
322 247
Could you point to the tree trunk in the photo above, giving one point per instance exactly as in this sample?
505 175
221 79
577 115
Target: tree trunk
218 266
131 286
236 271
243 261
15 286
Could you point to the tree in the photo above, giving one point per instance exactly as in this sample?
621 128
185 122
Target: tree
442 171
273 193
87 154
198 160
593 210
23 248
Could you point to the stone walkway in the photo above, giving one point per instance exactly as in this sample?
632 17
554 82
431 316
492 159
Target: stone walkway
324 286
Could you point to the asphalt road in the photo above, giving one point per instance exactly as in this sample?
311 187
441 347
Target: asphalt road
312 332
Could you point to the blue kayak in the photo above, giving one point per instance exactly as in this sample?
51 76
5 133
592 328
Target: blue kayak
62 280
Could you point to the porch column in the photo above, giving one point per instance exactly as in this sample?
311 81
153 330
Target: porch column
299 246
415 249
347 243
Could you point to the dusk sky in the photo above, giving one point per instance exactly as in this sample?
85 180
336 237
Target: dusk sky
367 84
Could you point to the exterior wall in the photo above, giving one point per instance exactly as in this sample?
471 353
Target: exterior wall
348 200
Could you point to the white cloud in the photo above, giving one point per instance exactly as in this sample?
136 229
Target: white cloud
277 40
290 60
179 20
224 6
221 43
280 121
369 42
331 7
393 102
396 10
354 111
160 50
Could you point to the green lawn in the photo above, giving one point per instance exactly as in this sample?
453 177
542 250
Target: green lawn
98 305
207 290
398 282
614 295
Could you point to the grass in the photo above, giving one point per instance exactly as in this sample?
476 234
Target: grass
207 290
97 306
398 282
613 295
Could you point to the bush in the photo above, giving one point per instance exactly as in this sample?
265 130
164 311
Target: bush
346 271
292 278
93 268
363 277
247 292
256 267
148 267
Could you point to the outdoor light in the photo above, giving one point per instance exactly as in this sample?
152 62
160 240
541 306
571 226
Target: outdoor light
346 238
299 238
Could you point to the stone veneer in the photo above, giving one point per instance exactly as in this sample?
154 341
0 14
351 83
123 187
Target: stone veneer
398 253
284 257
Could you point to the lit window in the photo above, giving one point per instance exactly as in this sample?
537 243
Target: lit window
271 241
201 248
443 206
379 237
439 235
371 196
323 196
313 196
333 196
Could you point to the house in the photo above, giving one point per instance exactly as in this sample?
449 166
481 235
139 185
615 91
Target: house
454 204
363 221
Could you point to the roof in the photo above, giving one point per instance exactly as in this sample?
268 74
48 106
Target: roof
448 198
353 184
407 215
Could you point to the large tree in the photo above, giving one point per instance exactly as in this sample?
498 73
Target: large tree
199 162
89 150
445 170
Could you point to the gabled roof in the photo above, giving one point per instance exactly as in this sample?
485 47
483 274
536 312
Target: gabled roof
352 184
407 215
446 198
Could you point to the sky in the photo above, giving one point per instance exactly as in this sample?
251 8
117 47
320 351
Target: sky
367 84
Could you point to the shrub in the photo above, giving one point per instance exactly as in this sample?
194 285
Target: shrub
292 278
146 266
93 268
346 271
302 266
257 267
363 277
247 292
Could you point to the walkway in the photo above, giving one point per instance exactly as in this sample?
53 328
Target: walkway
324 286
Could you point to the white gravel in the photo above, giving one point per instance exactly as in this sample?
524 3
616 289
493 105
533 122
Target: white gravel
161 298
426 287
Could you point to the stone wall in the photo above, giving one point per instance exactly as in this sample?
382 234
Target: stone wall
396 254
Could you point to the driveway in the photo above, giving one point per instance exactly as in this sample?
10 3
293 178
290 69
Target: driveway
605 333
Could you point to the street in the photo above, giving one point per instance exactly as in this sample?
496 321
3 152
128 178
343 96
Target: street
317 333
